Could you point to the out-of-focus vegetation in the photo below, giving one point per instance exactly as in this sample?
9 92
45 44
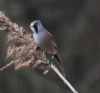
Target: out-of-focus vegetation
75 24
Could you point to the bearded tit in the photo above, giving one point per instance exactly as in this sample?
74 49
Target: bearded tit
44 40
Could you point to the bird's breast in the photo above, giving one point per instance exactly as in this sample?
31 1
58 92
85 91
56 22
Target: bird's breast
39 38
36 38
44 42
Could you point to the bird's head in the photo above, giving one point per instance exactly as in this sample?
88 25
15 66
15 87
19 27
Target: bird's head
36 26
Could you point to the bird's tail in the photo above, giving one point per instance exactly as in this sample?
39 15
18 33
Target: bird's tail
61 67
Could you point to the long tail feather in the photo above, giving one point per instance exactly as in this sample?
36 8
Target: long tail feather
60 64
58 59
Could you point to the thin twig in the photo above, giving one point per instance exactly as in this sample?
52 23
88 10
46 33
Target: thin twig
6 66
55 69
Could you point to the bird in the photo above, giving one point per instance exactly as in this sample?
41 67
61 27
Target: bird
45 41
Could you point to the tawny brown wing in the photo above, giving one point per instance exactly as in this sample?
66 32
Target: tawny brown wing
52 39
56 55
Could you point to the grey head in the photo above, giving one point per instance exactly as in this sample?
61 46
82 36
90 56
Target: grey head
36 26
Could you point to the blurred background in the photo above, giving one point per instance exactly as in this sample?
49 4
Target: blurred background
75 24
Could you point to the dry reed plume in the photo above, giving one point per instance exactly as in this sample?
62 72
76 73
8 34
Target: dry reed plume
22 50
21 47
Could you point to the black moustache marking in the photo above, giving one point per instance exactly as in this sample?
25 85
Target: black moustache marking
36 28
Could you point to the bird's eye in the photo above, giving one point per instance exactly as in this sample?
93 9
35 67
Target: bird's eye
36 28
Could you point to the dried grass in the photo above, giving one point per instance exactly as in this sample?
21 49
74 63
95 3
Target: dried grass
21 47
22 50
